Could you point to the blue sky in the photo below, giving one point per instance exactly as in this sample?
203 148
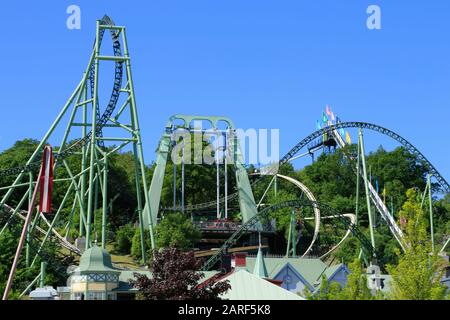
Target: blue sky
265 64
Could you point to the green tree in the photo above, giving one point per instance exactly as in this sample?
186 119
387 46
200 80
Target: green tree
327 291
136 250
418 273
124 236
176 230
356 287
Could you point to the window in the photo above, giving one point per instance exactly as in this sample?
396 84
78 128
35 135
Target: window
78 279
111 278
95 296
77 296
111 296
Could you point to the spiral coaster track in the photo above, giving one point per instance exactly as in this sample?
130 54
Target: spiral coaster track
373 127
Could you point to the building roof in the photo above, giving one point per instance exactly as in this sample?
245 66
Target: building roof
42 293
332 270
260 268
310 269
96 259
127 275
247 286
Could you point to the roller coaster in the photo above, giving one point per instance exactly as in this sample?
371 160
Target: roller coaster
83 110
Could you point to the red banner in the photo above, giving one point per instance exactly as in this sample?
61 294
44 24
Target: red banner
46 181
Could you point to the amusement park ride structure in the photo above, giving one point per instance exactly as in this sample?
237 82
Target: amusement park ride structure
120 117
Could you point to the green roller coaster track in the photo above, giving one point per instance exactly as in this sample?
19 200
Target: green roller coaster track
342 220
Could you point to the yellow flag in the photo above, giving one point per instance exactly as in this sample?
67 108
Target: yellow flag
348 139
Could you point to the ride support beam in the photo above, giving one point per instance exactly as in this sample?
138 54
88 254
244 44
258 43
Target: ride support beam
105 201
93 139
430 200
366 185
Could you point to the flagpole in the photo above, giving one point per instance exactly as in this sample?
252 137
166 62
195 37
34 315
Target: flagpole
22 238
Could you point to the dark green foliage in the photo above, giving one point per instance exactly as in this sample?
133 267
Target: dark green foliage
56 263
136 251
123 239
355 289
176 230
418 274
176 276
331 179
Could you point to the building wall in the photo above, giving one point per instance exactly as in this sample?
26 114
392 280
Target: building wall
340 277
290 280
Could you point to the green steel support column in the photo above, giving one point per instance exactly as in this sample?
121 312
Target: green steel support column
42 274
358 173
96 192
105 201
93 140
139 204
430 200
424 195
69 223
157 181
291 246
288 249
366 185
358 184
83 169
275 185
78 194
136 129
294 235
247 202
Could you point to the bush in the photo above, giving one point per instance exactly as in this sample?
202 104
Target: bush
124 237
136 251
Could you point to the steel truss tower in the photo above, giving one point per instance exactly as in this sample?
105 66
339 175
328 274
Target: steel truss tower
92 133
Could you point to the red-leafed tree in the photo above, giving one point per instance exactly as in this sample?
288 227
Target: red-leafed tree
177 276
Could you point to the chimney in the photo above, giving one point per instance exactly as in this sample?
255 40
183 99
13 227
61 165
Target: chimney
240 260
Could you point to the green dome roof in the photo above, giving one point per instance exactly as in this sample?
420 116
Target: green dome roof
96 259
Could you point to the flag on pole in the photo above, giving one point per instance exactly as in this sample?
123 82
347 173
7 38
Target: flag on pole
328 110
319 126
324 118
348 139
333 118
46 181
